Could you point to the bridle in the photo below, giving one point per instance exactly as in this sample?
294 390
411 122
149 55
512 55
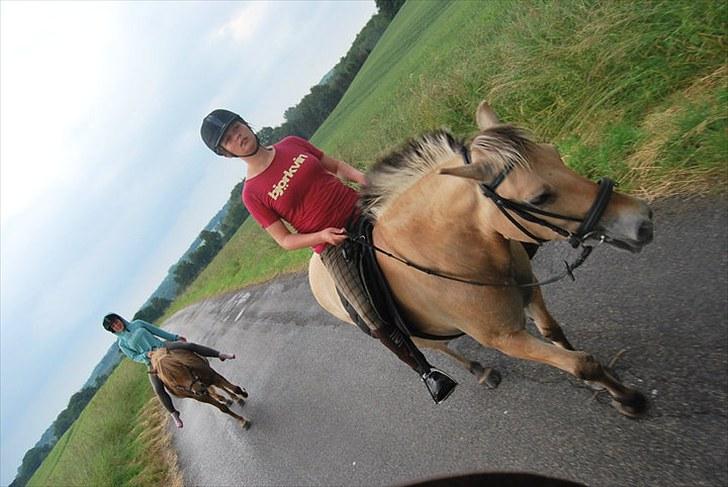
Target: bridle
529 212
532 214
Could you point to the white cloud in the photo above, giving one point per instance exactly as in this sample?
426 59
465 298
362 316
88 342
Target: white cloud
245 23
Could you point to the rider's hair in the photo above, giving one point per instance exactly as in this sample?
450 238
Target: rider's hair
109 318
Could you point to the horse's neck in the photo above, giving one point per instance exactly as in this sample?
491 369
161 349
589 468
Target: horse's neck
441 222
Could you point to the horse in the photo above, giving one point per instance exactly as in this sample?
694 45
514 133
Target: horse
186 374
449 222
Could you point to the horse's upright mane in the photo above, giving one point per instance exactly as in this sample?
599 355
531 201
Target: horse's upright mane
394 173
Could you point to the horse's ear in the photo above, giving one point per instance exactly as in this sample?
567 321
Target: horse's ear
485 116
479 172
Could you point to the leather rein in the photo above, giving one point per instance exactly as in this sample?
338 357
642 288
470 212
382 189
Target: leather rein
531 214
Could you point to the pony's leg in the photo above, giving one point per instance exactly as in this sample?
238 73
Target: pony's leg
222 407
237 392
582 365
218 397
546 323
488 376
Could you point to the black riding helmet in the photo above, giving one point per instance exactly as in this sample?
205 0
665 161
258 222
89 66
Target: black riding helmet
214 127
109 318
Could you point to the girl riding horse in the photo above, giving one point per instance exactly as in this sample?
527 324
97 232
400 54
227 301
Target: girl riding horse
138 339
295 182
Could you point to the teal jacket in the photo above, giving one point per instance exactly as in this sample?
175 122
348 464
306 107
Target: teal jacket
139 337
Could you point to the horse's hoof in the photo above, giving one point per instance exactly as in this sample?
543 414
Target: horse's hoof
246 424
491 378
595 386
244 393
635 406
241 402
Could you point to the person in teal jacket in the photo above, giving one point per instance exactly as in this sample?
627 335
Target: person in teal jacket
137 339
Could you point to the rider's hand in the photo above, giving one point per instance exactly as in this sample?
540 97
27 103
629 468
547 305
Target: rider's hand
333 236
180 338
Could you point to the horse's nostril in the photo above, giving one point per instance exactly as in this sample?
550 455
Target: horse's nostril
645 233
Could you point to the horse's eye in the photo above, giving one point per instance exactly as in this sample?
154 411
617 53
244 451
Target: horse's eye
541 199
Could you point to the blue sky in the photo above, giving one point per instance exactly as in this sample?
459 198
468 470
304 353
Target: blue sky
104 179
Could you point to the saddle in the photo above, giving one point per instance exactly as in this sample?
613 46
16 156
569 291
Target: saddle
178 369
359 248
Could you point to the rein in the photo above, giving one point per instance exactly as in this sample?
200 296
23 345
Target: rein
527 212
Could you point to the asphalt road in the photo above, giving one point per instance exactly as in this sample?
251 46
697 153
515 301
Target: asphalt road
330 406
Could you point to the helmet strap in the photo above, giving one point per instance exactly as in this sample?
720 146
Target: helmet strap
257 148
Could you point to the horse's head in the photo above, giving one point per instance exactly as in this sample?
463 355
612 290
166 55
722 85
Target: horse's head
536 197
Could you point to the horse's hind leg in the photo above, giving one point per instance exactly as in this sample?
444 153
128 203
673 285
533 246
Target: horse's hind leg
546 323
485 375
582 365
218 397
222 407
238 393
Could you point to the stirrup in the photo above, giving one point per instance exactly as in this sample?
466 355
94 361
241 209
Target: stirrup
439 384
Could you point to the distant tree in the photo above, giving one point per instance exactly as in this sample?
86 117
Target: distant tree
389 7
184 274
76 404
152 311
236 214
31 461
265 136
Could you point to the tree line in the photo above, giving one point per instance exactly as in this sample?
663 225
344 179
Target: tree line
307 116
35 456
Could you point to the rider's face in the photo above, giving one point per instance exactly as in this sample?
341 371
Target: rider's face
238 139
117 326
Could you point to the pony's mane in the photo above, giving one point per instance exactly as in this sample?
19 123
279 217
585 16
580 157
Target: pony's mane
396 172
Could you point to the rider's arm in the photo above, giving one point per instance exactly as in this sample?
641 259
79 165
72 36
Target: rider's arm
140 357
155 330
343 170
293 241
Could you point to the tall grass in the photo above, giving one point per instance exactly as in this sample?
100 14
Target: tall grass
634 90
602 80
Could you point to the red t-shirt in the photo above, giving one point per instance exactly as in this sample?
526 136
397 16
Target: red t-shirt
297 188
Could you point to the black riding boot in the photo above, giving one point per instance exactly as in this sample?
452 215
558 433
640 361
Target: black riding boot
438 384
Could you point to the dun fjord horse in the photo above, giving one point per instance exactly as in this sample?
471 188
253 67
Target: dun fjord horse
462 213
186 374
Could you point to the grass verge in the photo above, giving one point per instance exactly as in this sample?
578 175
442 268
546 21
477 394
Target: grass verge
120 438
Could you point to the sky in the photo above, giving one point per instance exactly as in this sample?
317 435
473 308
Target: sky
104 180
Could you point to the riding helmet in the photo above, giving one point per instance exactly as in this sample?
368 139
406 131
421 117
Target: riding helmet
214 126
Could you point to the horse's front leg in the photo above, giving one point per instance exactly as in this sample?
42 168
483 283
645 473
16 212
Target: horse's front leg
485 375
582 365
546 323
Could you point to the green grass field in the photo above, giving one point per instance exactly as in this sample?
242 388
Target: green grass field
636 91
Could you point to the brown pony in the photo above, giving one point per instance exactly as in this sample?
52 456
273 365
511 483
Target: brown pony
186 374
445 207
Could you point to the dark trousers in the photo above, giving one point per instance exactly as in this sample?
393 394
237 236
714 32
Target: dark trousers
349 284
157 384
